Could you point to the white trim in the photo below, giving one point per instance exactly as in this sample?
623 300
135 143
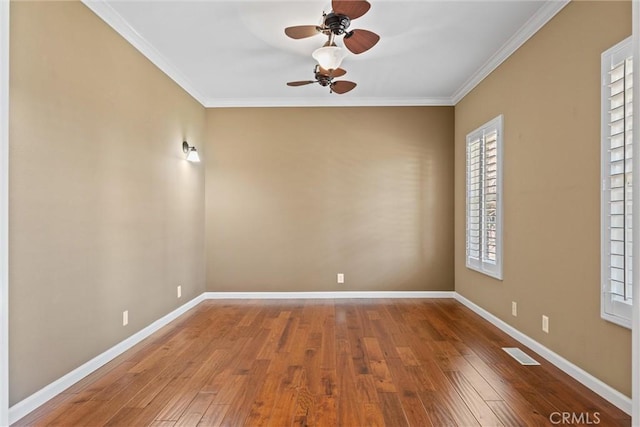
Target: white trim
122 27
597 386
328 102
4 212
612 310
22 408
635 333
480 264
329 295
537 21
109 15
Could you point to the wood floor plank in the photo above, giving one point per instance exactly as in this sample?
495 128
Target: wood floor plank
373 416
478 382
239 408
378 366
214 415
366 388
509 393
273 341
162 424
284 405
156 408
327 411
260 411
408 394
407 356
195 411
328 348
298 347
187 387
446 408
478 407
312 371
350 411
392 410
304 414
323 363
505 414
45 414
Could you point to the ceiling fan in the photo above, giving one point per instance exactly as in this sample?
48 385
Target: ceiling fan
325 78
336 23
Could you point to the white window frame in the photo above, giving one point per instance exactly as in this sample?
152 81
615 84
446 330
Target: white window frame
635 341
480 263
613 308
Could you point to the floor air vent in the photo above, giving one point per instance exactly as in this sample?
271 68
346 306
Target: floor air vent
520 356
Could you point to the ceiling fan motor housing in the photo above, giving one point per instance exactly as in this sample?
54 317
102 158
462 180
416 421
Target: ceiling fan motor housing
338 24
323 80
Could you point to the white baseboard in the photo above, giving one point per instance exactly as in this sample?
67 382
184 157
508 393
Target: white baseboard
605 391
329 295
40 397
22 408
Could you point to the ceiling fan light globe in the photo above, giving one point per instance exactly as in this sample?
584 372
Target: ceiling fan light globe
329 57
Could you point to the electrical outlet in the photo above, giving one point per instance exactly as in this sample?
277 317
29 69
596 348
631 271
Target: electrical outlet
340 277
179 291
545 323
125 318
514 308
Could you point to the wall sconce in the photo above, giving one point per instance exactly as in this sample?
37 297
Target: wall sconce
191 152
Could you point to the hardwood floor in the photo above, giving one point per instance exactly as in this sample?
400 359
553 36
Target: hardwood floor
325 363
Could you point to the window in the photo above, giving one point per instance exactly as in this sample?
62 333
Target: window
617 203
484 199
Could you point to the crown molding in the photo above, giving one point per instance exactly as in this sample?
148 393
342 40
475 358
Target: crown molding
326 102
109 15
537 21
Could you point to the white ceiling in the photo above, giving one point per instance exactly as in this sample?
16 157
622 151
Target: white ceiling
235 53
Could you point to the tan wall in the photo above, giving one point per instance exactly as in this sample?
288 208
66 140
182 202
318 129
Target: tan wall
296 195
105 215
549 93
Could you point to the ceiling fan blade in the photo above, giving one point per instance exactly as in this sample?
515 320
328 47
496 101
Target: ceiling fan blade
332 73
302 31
351 8
301 83
358 41
342 86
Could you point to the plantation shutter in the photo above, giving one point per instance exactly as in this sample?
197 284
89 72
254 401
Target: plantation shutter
490 191
617 185
483 229
474 201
